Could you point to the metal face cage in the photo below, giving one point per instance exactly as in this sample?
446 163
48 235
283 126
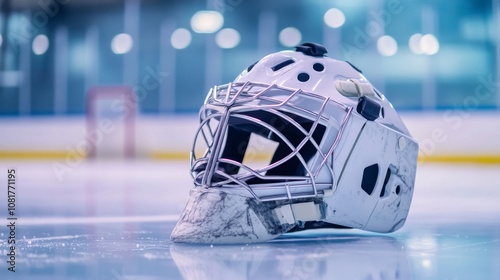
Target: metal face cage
305 129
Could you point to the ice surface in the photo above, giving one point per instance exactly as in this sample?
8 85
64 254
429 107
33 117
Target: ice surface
112 220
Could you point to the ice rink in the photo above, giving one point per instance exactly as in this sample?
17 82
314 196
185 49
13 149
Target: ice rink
112 220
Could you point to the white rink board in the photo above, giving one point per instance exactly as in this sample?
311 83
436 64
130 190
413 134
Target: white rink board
439 133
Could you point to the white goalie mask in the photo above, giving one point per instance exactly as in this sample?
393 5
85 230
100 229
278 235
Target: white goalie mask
298 141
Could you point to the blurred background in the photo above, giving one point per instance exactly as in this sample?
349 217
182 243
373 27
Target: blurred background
149 64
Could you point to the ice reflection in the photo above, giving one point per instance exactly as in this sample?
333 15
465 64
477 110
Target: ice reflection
340 257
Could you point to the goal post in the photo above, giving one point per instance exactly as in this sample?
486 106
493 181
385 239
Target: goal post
110 119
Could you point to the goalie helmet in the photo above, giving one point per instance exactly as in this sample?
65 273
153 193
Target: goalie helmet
298 141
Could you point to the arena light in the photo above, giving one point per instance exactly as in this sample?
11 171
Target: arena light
122 43
290 37
227 38
387 46
40 44
414 43
180 38
207 21
334 18
429 44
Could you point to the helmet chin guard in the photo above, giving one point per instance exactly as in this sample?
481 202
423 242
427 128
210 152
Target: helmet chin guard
297 141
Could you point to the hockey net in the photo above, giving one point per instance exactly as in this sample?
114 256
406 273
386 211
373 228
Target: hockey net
110 120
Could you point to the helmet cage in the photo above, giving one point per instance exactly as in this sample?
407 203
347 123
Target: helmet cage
306 126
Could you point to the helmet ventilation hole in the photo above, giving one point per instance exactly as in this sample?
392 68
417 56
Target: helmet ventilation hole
282 64
383 192
318 67
303 77
251 66
370 175
398 189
